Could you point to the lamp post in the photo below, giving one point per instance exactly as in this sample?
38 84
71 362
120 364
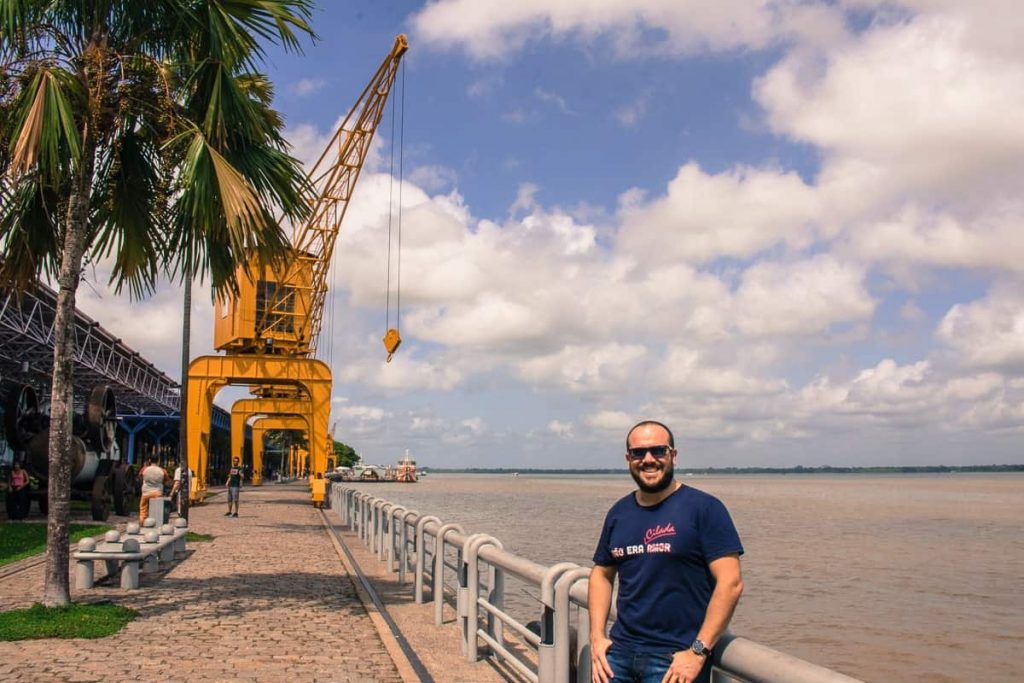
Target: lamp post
185 484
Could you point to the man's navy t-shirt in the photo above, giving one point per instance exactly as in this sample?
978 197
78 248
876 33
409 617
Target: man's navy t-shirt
662 554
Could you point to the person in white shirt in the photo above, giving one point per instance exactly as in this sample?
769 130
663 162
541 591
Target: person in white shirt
154 478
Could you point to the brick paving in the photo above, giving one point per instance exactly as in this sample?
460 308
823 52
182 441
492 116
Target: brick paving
267 600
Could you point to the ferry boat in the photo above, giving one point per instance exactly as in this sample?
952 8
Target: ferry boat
406 471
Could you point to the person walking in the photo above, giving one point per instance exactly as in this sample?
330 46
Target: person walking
676 554
154 478
234 484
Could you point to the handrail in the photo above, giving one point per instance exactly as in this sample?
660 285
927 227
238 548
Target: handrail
547 656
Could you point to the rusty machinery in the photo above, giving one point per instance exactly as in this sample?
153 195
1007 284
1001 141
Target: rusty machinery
269 329
99 474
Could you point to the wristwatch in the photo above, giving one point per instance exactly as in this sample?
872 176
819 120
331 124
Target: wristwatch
699 648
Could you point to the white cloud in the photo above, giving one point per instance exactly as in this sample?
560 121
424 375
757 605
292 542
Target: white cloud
988 333
564 430
689 372
483 87
584 369
433 177
493 30
305 87
805 298
739 214
630 114
943 115
611 420
554 98
918 237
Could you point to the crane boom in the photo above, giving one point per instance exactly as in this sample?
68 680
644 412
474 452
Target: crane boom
337 177
279 309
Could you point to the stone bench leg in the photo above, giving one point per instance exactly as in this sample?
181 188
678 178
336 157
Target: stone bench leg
85 576
111 567
167 553
179 547
152 564
130 574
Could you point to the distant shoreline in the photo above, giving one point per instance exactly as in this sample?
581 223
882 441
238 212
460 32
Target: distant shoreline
799 469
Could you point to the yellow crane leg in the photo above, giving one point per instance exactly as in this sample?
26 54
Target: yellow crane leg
245 408
265 424
208 374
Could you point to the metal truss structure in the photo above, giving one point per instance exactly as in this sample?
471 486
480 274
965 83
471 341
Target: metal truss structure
26 356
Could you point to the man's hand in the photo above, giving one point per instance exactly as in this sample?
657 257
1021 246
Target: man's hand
685 667
600 670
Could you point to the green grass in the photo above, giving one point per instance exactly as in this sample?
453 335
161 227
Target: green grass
194 537
18 541
70 621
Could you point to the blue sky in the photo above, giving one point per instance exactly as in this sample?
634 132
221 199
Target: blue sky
791 230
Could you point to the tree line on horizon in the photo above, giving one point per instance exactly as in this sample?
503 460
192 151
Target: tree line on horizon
798 469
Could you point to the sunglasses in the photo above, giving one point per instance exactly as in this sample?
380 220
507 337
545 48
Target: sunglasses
657 451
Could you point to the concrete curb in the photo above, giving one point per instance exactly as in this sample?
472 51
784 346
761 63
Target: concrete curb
405 669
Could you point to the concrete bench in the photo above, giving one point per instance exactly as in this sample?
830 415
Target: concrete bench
137 549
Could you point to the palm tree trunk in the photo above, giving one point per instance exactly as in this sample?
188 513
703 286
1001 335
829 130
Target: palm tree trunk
57 586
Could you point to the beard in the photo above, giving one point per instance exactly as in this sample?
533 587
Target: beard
667 475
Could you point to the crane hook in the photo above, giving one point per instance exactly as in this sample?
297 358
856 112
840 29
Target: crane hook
392 340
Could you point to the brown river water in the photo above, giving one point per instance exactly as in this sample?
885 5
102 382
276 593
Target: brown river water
881 577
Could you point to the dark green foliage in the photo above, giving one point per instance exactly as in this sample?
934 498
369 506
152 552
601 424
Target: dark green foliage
345 455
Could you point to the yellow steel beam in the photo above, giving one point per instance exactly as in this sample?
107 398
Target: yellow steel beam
208 374
245 408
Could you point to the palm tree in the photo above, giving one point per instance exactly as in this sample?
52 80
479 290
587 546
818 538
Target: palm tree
139 132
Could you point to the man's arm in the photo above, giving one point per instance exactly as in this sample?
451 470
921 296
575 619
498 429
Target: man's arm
686 664
599 604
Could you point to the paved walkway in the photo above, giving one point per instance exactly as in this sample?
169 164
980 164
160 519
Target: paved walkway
267 600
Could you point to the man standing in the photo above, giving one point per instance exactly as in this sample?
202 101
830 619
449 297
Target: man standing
180 487
677 555
234 484
154 478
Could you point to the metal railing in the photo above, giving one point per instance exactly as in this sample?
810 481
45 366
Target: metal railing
556 647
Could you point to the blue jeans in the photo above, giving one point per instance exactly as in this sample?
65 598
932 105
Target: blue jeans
644 667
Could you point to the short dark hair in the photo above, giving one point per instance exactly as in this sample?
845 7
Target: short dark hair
671 439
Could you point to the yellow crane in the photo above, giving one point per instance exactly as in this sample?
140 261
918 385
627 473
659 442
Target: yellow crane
270 328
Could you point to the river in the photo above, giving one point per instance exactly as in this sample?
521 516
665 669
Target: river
883 577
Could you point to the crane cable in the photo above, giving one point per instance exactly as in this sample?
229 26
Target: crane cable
392 338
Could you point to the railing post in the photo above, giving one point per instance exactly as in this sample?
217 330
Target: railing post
395 513
364 516
438 587
421 556
496 581
382 529
378 512
562 621
465 596
546 649
471 562
403 553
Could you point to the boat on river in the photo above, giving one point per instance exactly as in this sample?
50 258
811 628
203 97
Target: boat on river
406 472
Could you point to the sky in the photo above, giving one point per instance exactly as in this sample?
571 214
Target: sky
790 229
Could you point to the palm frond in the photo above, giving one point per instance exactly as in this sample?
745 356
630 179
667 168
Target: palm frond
29 232
45 125
126 220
